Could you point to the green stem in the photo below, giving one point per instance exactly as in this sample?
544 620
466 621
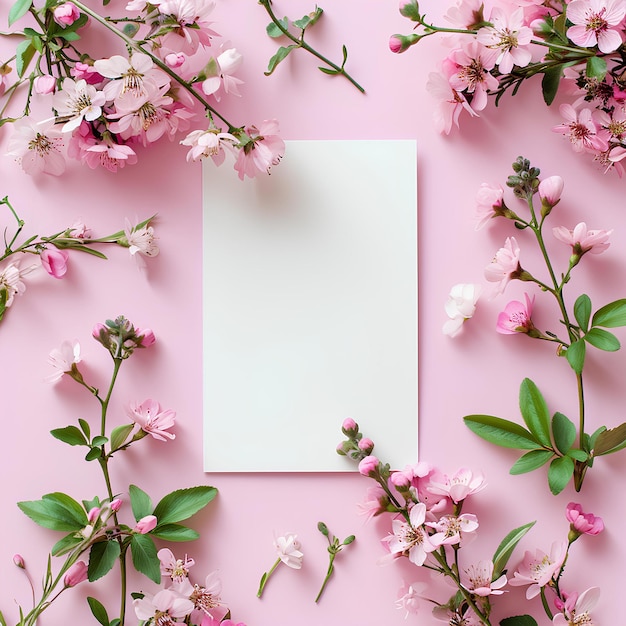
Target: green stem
329 573
300 43
266 577
544 602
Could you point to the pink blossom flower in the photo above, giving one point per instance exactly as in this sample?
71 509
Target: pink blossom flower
129 75
264 150
467 14
76 574
288 550
146 524
86 72
410 538
149 417
478 580
44 84
374 504
175 569
516 317
193 28
54 261
166 606
11 280
66 14
473 63
175 59
537 570
450 103
584 134
583 240
509 37
550 190
583 523
145 337
505 265
577 608
462 484
460 306
489 202
221 77
141 242
37 147
409 598
450 527
63 359
209 143
369 465
592 21
206 599
77 101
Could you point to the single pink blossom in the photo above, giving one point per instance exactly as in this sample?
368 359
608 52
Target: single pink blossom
54 261
489 202
583 132
411 538
265 150
374 504
166 606
175 569
66 14
462 484
149 417
78 101
206 599
450 527
37 147
450 102
288 550
537 570
583 523
516 317
222 77
146 524
77 573
550 190
505 265
44 84
576 609
592 21
409 599
63 359
479 580
209 143
460 306
583 240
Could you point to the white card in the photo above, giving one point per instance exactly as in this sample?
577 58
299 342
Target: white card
310 307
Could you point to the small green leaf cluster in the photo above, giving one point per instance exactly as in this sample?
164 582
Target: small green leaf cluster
334 548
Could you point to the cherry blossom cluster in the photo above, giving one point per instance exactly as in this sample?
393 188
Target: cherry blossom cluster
53 252
496 45
104 109
430 528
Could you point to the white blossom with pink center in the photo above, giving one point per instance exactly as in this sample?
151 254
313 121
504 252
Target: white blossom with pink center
596 22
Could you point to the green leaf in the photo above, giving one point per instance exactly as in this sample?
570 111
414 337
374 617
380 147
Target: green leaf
23 56
559 473
564 432
519 620
578 455
119 435
174 532
130 30
66 544
531 461
70 435
505 549
610 440
327 70
69 35
582 311
603 340
183 503
98 611
56 511
501 432
84 425
140 502
93 454
18 10
550 83
145 557
99 441
302 23
102 558
575 356
274 31
611 315
594 437
281 55
596 67
535 411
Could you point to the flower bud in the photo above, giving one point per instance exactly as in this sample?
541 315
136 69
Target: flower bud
145 524
18 559
410 9
400 481
174 59
76 574
349 427
44 84
369 466
93 514
145 337
401 43
66 14
366 445
116 504
550 190
54 261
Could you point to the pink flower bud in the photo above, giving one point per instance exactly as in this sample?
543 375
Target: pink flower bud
86 72
366 445
400 480
583 523
146 337
410 9
368 466
76 574
93 514
349 427
54 261
550 190
401 43
146 524
66 14
18 559
174 59
44 84
116 505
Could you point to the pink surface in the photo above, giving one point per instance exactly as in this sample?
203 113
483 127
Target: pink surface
479 372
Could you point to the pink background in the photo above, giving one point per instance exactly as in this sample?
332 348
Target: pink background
478 372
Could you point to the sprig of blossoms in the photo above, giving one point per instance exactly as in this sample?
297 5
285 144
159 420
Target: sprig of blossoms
54 255
429 528
555 440
578 47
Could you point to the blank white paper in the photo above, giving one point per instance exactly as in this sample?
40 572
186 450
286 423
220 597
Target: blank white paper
310 307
